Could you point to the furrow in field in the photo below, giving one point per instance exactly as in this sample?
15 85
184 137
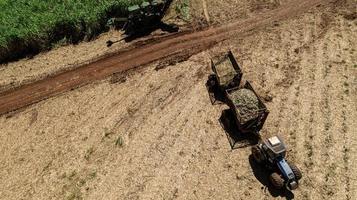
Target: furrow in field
333 105
327 185
314 146
305 152
347 94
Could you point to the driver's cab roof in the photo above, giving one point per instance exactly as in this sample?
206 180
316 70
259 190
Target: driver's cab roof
276 145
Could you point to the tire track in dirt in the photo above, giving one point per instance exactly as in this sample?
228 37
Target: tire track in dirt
316 117
334 148
309 156
327 190
291 112
205 11
304 147
347 104
308 145
344 129
306 151
291 105
185 44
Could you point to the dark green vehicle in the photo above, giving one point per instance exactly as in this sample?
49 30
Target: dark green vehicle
144 18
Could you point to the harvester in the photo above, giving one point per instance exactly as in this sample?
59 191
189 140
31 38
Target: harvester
271 154
143 19
225 85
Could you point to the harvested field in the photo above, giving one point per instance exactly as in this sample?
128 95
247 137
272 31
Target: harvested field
155 134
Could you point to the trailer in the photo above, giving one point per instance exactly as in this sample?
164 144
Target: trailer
226 75
225 86
249 110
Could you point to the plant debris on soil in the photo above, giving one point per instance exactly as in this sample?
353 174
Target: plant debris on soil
246 103
225 71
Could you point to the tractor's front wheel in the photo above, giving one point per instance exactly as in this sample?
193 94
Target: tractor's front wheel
258 155
296 171
276 180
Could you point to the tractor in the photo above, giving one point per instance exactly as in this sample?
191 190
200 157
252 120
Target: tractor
271 154
143 19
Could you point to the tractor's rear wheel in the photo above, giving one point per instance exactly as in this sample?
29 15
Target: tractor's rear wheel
276 180
258 155
296 171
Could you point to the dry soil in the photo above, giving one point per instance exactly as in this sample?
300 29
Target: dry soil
155 134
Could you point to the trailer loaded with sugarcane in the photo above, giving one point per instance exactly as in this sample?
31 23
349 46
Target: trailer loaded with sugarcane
225 85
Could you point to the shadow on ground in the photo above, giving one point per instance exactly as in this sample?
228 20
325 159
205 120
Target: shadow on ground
215 94
135 33
262 175
236 138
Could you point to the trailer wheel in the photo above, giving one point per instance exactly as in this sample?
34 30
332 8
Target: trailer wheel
258 154
212 81
296 171
276 180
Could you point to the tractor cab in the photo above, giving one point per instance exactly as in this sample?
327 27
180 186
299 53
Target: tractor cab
275 148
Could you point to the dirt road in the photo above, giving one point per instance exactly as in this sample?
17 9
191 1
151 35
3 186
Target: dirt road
182 44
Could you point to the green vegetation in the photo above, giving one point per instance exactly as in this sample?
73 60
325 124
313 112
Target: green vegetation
28 26
183 9
120 141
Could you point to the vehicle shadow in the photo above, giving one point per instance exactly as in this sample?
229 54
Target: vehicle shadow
169 28
236 138
146 31
262 175
215 94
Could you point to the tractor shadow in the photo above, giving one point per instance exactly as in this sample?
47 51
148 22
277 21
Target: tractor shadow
262 175
168 28
236 138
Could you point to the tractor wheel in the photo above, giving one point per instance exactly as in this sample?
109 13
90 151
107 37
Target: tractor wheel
296 171
212 81
258 155
276 180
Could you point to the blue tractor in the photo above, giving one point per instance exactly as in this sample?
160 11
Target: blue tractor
271 154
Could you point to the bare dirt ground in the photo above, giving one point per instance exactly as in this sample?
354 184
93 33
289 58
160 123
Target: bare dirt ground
183 44
155 135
